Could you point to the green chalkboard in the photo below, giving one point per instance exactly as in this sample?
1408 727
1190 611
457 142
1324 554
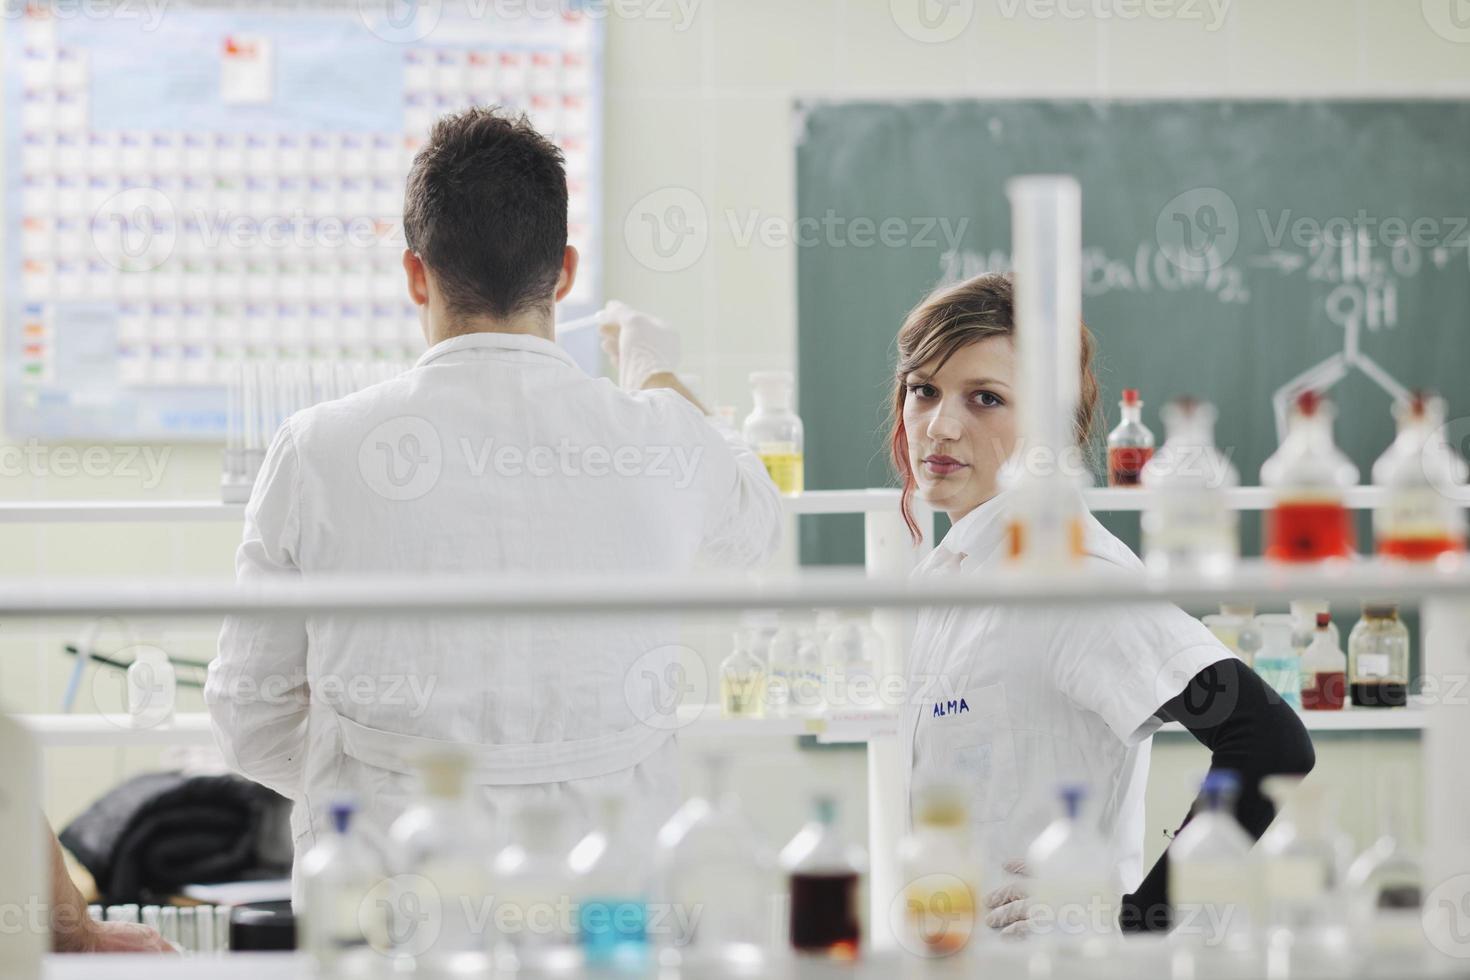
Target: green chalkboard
1228 247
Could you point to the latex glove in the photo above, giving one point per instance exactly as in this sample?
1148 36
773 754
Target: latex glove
640 345
1008 908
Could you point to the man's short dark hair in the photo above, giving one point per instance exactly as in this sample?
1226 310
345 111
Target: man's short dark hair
486 210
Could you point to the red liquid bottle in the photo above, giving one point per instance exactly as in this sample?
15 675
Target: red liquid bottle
1422 477
1130 445
1324 670
1308 474
825 878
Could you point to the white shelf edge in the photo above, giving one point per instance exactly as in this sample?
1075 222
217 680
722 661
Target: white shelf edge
693 722
860 501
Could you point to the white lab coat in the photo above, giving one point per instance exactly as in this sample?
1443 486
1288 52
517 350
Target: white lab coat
1013 700
494 454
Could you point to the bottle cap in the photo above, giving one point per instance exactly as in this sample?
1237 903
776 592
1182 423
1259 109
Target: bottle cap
826 809
1130 396
1221 782
1324 620
443 773
1308 402
341 811
1072 796
1380 609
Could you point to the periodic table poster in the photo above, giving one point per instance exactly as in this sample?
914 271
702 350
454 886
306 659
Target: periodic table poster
190 185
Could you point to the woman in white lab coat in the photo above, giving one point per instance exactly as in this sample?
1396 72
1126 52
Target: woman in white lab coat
1010 701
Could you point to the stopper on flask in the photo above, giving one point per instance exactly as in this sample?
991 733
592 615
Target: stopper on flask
1130 397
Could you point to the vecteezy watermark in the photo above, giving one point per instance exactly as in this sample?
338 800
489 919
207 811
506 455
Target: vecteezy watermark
145 464
139 229
1199 229
1446 914
411 692
411 21
1390 231
1210 14
669 230
662 681
1450 19
934 915
148 14
932 21
403 459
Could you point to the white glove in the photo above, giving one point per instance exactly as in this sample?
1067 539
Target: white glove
1008 907
638 344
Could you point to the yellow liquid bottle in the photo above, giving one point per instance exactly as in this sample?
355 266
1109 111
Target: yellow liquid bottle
775 431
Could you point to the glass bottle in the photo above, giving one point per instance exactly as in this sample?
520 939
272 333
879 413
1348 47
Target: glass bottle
797 673
824 874
340 917
1307 473
1421 518
1277 662
1300 861
438 847
612 880
1073 901
942 875
1188 525
742 681
1324 670
711 859
1378 658
1210 884
1304 623
774 431
853 651
1385 884
782 672
532 927
1130 445
1235 627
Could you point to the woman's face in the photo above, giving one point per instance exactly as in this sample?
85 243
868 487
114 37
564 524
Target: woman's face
961 425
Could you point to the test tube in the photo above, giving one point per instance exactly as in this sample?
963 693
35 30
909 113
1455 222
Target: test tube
94 912
222 928
169 923
186 929
204 929
151 918
130 913
115 913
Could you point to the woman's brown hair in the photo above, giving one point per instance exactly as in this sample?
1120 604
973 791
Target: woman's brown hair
948 319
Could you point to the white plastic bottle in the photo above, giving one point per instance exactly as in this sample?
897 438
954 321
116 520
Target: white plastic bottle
938 913
1074 902
152 688
1324 670
1210 883
1421 518
775 431
341 916
439 847
23 849
1299 864
1188 525
531 911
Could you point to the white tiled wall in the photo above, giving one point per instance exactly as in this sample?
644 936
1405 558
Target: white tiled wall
707 108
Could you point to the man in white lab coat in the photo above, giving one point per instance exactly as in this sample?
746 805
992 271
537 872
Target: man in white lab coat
495 454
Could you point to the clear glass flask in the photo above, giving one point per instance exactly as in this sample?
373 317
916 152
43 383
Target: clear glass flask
1324 670
438 849
1300 862
782 672
942 875
1235 626
1210 883
533 924
1308 474
340 918
1378 658
1277 662
742 680
1074 903
1130 445
711 859
797 673
1188 524
612 880
1424 514
775 431
824 875
853 653
1385 884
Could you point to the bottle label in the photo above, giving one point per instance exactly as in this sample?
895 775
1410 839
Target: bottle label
1295 879
1372 665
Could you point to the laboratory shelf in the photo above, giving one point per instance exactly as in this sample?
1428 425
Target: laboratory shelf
693 722
863 501
43 597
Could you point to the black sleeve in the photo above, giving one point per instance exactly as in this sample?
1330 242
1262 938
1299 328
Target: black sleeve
1247 728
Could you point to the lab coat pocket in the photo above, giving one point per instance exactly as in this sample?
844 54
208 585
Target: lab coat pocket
971 741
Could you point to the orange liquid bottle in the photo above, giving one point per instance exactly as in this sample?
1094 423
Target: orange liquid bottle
1308 521
1421 476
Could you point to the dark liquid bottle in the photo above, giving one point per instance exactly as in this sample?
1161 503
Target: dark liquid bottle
1379 694
824 914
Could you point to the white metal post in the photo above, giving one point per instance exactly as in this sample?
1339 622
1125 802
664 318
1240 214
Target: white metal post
889 551
1445 625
